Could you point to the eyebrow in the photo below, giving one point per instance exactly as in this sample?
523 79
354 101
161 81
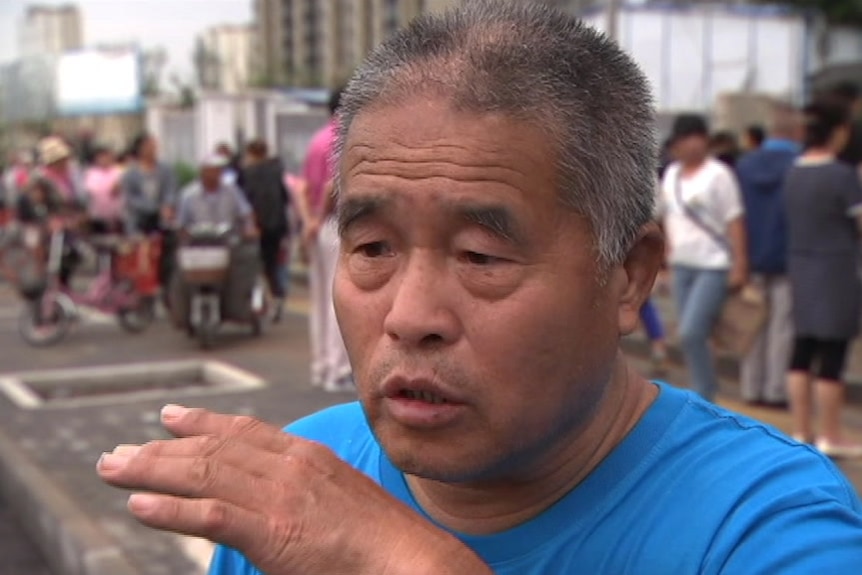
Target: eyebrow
351 210
497 220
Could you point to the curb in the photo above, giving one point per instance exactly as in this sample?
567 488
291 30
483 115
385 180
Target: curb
69 541
726 366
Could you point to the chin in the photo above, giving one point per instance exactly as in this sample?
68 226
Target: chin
439 461
444 471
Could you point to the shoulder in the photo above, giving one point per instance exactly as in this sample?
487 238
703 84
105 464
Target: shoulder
670 174
343 429
190 192
753 457
720 171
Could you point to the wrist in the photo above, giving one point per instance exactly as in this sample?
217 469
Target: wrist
437 555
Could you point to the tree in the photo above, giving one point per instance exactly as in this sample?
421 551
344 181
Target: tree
154 61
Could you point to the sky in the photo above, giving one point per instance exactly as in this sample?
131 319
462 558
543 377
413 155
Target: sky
173 24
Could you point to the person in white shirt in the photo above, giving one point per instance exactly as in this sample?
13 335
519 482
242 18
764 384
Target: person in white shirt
702 212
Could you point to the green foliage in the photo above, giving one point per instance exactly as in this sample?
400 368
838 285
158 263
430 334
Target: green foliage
186 173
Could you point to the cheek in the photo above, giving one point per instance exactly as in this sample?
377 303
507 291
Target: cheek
360 318
544 339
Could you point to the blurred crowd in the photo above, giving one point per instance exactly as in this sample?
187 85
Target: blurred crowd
92 190
779 214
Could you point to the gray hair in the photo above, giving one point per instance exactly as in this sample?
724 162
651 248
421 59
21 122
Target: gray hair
537 64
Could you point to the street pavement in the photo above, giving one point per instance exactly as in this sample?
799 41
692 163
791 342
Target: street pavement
65 443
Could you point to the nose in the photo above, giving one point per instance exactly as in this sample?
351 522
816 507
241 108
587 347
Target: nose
421 314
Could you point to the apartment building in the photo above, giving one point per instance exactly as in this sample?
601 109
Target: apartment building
223 58
318 43
51 30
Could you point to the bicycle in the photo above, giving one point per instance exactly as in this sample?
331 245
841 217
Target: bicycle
125 287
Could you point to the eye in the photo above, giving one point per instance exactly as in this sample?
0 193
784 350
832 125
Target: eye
480 259
374 249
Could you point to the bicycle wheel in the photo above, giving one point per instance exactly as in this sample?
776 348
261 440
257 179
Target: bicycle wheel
44 321
138 318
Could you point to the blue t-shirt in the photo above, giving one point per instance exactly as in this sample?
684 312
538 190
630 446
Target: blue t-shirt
692 489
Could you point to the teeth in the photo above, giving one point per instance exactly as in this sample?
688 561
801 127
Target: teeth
425 396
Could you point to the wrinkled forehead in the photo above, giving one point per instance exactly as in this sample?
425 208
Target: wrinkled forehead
434 127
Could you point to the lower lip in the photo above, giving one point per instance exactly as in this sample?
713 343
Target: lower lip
423 415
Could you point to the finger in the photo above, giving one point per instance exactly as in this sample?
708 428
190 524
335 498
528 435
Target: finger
228 451
197 477
185 422
218 521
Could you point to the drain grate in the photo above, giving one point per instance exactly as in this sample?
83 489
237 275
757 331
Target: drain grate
124 383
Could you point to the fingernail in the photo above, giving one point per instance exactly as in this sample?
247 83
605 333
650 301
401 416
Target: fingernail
110 462
142 502
127 450
172 411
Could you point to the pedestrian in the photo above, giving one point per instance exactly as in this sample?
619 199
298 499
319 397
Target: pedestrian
17 177
484 283
761 175
102 181
824 215
724 147
847 94
754 137
330 366
149 192
265 189
149 188
58 172
233 173
702 213
652 324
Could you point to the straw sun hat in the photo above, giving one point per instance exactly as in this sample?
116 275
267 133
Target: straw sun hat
52 150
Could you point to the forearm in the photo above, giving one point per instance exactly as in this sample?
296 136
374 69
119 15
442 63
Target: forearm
299 194
738 244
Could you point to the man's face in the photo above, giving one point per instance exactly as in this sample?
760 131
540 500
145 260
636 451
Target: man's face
469 299
211 177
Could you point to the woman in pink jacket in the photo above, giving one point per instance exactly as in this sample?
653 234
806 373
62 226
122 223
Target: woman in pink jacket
102 182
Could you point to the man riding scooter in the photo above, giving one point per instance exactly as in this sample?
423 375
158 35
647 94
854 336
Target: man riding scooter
220 277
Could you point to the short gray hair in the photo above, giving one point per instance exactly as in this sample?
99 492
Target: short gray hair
541 65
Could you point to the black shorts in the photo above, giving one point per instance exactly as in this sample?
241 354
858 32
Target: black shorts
829 356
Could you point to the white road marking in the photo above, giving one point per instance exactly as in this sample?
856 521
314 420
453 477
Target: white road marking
199 551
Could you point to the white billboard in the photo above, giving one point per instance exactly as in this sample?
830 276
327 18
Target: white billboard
92 82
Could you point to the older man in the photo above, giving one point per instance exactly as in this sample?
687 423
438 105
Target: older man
209 200
496 187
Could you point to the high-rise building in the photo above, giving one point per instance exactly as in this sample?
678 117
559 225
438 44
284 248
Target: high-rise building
269 47
51 30
223 58
314 43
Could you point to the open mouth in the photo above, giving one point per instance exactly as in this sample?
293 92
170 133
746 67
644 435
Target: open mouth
425 396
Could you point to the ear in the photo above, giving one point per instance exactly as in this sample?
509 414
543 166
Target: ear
638 274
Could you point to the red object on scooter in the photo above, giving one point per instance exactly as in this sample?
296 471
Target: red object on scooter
139 262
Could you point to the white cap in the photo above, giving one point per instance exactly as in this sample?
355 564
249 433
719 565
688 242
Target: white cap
213 161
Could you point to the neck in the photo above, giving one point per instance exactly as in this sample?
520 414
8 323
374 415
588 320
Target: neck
148 163
491 507
691 166
819 153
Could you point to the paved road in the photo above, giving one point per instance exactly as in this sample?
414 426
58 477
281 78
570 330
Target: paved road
18 556
67 442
